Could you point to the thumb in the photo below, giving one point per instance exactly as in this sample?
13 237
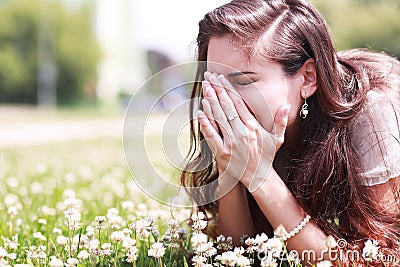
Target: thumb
281 121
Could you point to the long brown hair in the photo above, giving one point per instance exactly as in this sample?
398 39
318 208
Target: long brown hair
322 173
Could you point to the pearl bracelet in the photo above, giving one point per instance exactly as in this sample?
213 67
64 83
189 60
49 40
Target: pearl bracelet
297 228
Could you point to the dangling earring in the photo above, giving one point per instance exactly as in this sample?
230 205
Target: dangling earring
304 109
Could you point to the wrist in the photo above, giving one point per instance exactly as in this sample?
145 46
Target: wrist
256 180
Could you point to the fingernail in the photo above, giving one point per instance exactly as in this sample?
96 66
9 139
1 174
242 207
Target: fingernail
287 109
201 114
207 73
205 83
221 76
210 91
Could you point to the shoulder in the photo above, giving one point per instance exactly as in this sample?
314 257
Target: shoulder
375 136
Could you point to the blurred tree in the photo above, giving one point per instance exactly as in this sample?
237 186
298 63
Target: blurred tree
373 24
76 51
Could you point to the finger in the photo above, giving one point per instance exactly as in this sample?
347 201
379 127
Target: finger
213 139
219 114
281 121
226 102
208 112
207 108
238 102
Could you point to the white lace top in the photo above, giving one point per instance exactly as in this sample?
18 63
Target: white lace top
376 138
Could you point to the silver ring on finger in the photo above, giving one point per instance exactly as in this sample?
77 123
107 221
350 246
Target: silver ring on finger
232 117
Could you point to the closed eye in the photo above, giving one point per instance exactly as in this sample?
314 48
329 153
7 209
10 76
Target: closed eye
243 78
243 83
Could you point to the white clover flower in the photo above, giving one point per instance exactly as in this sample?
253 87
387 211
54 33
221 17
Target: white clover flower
157 250
72 214
93 244
325 263
13 211
141 210
106 249
142 227
83 254
198 221
61 240
197 216
11 244
57 230
73 217
55 262
198 239
90 228
3 253
132 254
90 234
12 182
19 222
198 261
69 193
39 235
100 219
199 225
47 211
260 241
117 236
370 250
11 200
42 221
238 250
250 242
70 177
12 256
36 253
72 203
266 262
128 242
228 258
127 232
243 261
209 250
275 246
116 222
112 212
128 206
72 262
81 239
36 188
106 246
4 263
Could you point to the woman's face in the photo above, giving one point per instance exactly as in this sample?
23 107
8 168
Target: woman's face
262 84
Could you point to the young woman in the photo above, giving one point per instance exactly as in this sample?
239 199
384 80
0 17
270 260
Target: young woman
326 162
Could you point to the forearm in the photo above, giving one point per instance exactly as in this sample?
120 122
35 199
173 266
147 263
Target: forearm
234 214
280 207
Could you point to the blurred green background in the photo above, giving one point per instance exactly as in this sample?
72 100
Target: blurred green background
50 53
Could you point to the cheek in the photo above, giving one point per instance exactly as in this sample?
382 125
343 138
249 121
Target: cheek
262 106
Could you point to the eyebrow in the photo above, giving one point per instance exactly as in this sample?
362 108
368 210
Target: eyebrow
239 73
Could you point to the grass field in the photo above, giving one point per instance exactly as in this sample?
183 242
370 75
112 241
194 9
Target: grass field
73 202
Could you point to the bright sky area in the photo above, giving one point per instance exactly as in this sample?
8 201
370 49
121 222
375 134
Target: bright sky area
170 26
